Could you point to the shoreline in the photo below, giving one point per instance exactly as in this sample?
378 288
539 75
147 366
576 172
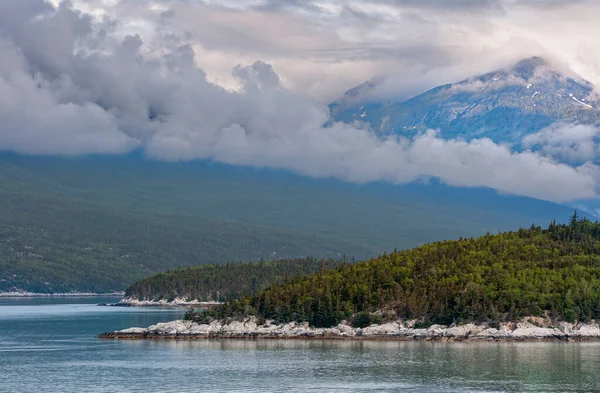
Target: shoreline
18 294
136 337
527 330
161 305
175 303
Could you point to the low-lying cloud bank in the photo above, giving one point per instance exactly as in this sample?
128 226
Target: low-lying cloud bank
73 84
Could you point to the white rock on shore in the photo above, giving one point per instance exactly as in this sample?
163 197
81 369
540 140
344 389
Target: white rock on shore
522 330
177 302
134 330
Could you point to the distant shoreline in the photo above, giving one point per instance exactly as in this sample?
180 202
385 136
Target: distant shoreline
66 294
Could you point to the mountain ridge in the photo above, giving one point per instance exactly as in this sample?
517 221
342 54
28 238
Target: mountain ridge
504 105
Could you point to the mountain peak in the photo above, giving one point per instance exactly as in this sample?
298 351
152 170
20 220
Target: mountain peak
504 105
526 68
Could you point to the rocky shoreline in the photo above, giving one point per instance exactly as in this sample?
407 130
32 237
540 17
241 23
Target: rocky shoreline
175 303
528 329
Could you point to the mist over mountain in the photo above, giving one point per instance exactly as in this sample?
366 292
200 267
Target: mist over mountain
505 106
77 81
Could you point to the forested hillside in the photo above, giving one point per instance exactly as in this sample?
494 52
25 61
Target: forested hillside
99 223
492 278
224 282
56 245
63 231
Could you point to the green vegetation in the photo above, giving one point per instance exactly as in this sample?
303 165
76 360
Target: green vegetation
224 282
39 261
99 223
492 278
62 232
49 244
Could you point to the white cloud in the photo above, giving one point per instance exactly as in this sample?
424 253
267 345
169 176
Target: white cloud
74 84
324 47
575 143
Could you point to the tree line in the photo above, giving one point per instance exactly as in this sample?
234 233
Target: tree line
225 282
553 271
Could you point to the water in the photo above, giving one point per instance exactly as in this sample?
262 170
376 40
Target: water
48 345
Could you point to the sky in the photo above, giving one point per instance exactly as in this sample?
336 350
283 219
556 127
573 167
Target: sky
247 82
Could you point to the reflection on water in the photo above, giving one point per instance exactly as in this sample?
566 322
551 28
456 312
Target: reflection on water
51 347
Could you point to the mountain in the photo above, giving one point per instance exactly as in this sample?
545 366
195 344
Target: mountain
494 278
503 105
98 223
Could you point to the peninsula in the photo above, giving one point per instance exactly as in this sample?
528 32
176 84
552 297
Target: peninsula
528 284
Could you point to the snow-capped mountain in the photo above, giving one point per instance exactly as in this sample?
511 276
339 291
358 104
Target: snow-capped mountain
503 105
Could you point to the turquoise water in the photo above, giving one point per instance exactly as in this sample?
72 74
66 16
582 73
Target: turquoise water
48 345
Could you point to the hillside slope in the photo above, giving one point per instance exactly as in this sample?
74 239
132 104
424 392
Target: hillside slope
54 245
100 223
488 279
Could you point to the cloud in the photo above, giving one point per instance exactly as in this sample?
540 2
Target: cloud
75 82
35 117
327 46
574 143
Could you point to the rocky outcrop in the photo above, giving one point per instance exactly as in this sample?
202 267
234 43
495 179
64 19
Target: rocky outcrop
527 329
177 302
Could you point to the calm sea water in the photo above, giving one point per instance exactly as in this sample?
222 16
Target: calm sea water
48 345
